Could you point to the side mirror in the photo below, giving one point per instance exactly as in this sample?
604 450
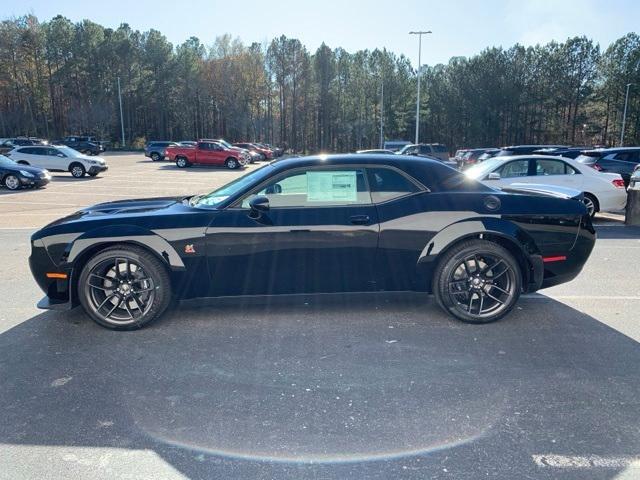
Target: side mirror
493 176
258 206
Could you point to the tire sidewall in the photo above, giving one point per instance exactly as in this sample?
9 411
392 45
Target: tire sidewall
151 266
4 182
73 166
155 157
182 162
453 259
232 163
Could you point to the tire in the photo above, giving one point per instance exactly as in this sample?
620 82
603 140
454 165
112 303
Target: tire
128 298
77 170
475 273
592 204
155 156
11 182
182 162
231 163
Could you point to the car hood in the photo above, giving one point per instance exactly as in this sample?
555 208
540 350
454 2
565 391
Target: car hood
26 168
131 206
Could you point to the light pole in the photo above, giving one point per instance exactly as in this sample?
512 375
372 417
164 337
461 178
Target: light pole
419 33
121 118
624 115
382 114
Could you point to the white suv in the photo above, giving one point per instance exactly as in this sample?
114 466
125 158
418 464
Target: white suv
58 158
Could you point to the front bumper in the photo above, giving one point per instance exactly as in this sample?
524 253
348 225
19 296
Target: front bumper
59 295
35 181
95 169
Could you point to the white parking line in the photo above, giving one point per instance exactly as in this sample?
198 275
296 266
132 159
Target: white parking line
586 461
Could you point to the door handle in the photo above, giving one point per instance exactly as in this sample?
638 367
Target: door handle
359 219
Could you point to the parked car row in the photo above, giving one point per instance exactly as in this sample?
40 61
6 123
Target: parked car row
30 165
211 152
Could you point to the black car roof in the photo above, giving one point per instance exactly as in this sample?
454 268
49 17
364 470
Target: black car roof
430 172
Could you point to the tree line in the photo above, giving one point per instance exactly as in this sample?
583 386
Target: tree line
58 77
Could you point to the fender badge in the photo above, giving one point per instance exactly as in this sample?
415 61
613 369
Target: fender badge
189 248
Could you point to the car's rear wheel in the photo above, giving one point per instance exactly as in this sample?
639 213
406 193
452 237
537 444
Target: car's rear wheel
477 281
232 163
124 288
11 182
155 156
77 170
591 203
182 162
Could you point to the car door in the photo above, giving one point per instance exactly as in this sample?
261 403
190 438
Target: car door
319 234
556 172
205 153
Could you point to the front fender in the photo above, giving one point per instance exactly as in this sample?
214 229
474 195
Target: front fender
124 233
472 228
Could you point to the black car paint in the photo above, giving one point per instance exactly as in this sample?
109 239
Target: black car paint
38 180
395 245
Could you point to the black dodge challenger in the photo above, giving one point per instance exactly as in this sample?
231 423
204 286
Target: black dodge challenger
340 223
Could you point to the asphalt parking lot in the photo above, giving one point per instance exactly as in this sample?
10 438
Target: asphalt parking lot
324 387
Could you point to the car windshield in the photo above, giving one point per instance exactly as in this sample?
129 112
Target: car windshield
5 161
68 151
481 169
219 195
224 143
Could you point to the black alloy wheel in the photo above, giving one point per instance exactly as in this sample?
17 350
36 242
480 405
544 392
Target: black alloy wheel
478 281
124 288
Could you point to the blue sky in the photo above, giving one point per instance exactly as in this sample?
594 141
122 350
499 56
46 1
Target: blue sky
459 27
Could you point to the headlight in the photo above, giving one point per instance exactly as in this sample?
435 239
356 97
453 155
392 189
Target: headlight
24 173
92 162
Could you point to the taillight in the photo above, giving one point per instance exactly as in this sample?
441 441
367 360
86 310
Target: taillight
618 183
596 166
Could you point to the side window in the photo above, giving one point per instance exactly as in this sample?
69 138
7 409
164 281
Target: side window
516 168
387 184
425 150
550 167
440 148
54 152
27 151
316 188
627 157
411 151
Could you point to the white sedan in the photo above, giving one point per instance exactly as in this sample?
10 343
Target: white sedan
58 158
602 191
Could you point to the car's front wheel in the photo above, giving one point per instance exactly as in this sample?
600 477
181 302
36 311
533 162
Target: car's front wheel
11 182
182 162
477 281
124 288
77 170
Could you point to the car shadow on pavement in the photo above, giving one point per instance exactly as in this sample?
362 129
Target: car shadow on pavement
337 386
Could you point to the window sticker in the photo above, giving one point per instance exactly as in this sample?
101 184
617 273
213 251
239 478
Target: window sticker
338 186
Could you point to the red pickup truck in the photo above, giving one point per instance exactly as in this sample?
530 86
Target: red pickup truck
208 152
